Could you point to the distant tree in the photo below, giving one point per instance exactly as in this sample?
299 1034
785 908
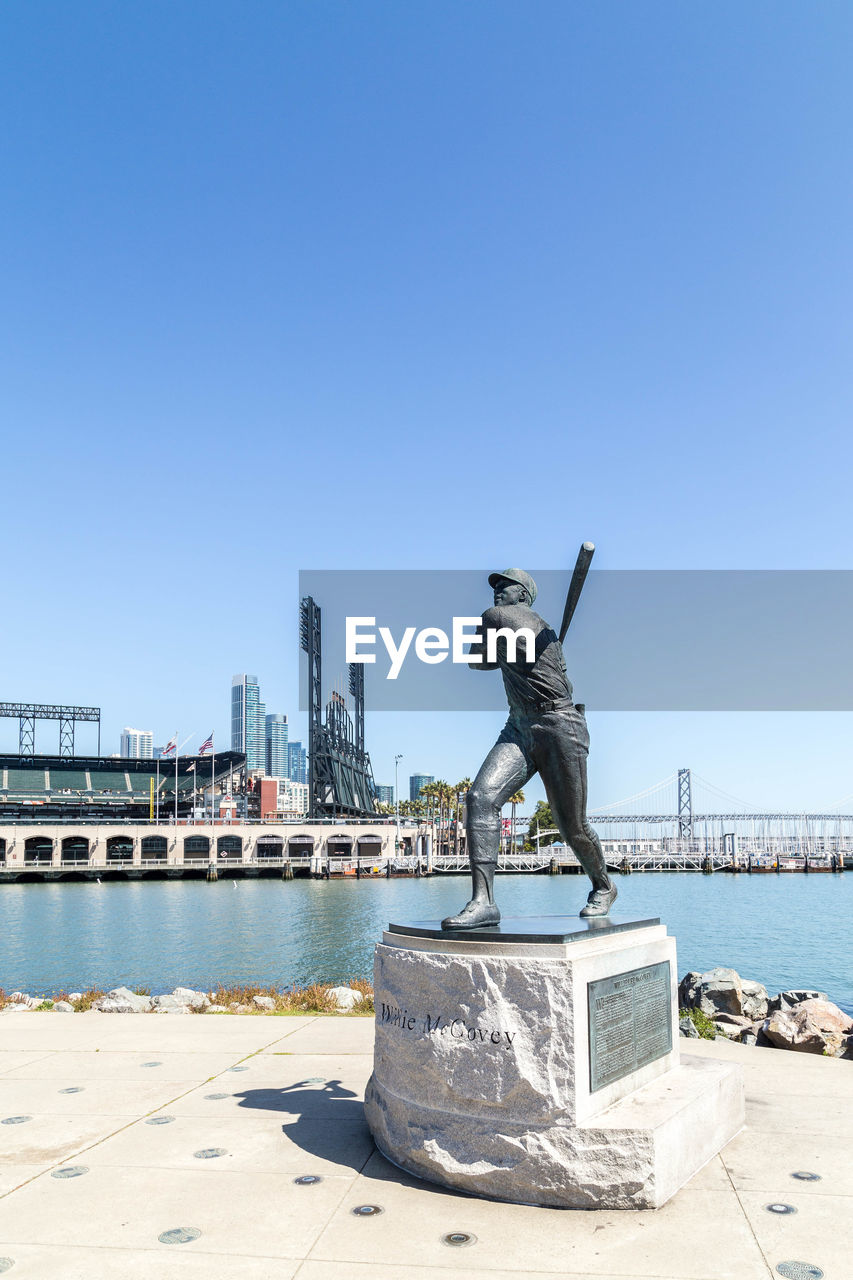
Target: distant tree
542 820
444 799
427 793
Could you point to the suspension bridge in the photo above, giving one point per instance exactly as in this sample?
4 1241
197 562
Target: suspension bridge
686 823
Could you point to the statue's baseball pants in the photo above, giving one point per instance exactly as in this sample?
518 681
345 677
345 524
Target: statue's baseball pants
553 742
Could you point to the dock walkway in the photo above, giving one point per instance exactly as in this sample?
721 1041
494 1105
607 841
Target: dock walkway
132 1127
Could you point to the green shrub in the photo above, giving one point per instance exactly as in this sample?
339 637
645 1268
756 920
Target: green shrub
703 1024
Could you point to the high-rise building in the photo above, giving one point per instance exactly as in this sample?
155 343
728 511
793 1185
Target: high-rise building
297 763
137 744
385 795
248 714
416 781
277 762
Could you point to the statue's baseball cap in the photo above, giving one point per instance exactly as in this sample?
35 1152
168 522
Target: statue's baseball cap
515 575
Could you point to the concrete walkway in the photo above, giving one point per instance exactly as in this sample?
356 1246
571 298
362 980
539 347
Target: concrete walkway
131 1126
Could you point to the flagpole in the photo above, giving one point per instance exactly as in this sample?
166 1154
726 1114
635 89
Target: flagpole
157 793
176 779
212 777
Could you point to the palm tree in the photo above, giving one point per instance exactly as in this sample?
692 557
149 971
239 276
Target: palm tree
461 789
449 798
443 796
428 793
515 800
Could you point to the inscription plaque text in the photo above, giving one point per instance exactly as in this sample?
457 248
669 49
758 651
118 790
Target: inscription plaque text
630 1022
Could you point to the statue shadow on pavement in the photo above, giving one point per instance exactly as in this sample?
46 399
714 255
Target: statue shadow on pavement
329 1122
330 1125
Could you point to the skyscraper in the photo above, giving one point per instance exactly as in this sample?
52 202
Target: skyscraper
137 744
247 721
385 795
297 763
416 781
277 763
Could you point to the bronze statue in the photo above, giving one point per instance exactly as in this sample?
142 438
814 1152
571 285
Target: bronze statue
546 733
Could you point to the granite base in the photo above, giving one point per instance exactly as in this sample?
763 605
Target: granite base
542 1072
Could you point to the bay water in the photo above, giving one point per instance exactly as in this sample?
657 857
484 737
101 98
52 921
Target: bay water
785 931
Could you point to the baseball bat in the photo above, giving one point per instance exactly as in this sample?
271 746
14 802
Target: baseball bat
576 585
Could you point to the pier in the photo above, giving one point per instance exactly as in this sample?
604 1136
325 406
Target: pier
332 850
77 850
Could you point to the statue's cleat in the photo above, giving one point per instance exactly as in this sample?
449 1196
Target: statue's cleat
477 915
599 902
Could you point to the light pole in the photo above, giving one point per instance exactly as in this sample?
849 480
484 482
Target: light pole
397 760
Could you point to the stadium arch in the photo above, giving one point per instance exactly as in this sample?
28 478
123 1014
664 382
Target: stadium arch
269 847
119 849
154 849
75 850
229 848
301 846
38 850
196 847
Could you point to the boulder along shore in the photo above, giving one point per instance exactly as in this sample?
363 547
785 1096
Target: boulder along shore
722 1003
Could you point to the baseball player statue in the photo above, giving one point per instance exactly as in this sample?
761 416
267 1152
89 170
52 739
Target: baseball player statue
546 733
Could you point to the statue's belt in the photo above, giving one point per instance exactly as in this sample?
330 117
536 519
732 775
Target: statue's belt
554 704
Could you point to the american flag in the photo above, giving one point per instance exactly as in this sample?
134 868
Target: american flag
207 745
171 745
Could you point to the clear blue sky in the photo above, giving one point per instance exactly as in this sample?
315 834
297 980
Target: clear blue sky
377 285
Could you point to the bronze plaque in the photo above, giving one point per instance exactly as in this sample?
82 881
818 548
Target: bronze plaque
630 1022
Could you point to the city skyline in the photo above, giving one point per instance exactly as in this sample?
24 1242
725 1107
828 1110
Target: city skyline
744 730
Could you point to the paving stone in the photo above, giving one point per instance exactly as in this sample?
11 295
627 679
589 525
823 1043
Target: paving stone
521 1238
39 1262
130 1208
819 1232
254 1143
103 1097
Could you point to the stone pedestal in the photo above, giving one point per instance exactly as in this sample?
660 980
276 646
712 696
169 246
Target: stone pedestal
538 1062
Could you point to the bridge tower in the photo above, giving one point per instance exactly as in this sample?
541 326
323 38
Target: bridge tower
685 806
